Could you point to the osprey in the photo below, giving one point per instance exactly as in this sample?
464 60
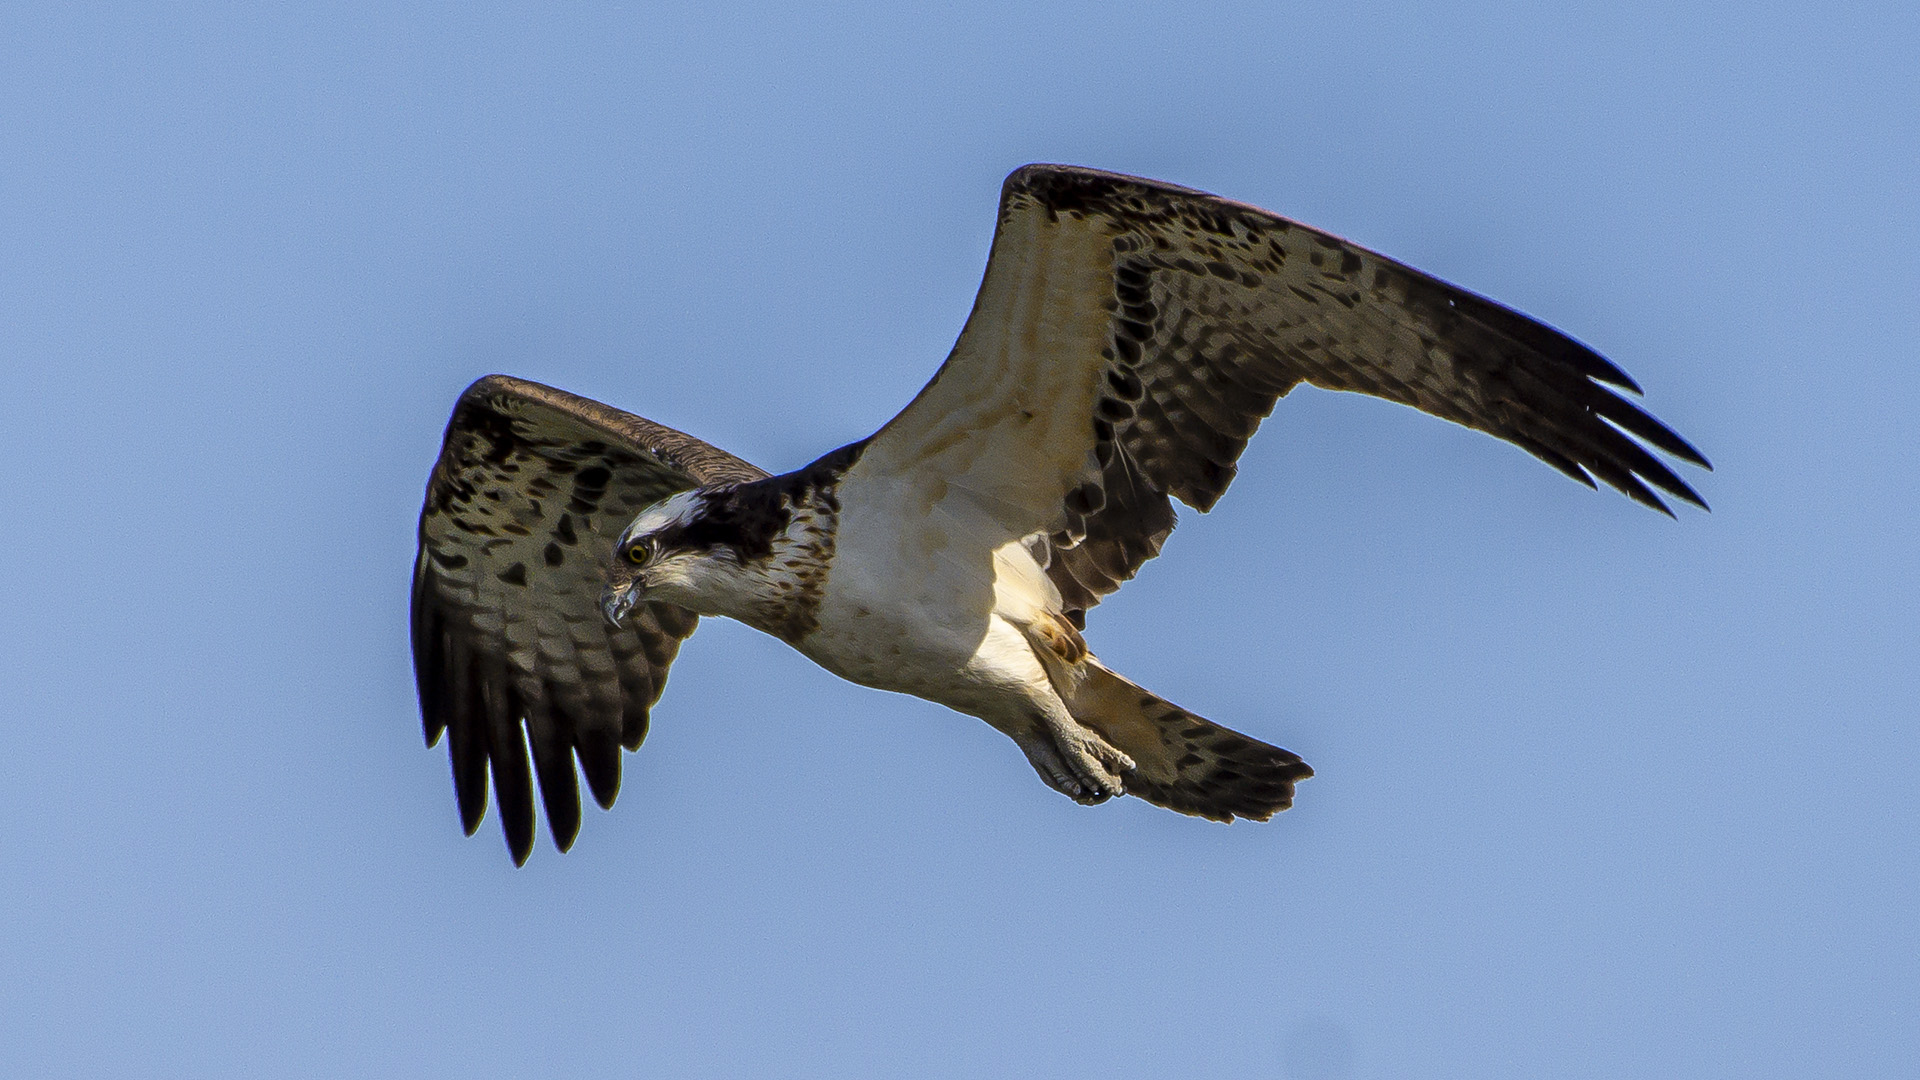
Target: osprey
1128 338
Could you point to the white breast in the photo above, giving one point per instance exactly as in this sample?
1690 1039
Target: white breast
920 600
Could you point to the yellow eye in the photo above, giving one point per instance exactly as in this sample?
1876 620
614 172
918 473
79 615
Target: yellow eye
637 554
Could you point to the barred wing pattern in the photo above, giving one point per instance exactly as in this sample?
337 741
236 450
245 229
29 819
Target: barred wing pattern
1130 336
510 649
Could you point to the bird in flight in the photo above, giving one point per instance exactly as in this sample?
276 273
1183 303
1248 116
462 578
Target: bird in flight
1127 339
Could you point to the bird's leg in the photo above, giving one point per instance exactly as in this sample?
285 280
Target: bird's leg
1073 760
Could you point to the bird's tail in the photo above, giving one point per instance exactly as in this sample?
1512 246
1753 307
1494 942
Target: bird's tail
1181 761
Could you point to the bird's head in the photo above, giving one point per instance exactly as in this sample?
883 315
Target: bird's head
677 550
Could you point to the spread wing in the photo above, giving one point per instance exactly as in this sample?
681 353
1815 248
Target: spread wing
1129 336
510 649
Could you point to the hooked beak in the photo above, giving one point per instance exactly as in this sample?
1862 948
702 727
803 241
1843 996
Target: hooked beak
617 600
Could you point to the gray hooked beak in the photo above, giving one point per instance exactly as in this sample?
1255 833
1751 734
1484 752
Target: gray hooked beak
617 600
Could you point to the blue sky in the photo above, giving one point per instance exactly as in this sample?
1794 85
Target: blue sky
1600 794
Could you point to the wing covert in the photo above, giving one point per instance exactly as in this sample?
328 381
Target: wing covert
511 654
1129 336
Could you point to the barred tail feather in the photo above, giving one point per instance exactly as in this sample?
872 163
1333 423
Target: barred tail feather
1181 761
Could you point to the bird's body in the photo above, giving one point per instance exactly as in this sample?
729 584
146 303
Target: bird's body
827 559
1128 338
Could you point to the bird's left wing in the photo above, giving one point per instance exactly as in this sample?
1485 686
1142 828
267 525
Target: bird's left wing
1130 335
510 649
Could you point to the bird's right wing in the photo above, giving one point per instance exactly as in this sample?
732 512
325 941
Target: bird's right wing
1130 335
532 488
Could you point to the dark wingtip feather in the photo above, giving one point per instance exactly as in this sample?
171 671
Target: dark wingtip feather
1561 463
1630 457
563 815
1604 435
469 779
512 776
1676 487
1538 336
1650 469
550 736
433 710
1683 491
517 823
1601 369
1584 358
466 741
1642 494
429 667
634 722
1684 450
517 817
1625 415
599 754
1624 463
1629 485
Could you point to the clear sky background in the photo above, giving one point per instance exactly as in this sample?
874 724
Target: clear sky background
1600 794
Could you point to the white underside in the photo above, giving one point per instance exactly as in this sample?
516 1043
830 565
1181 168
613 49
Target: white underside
931 601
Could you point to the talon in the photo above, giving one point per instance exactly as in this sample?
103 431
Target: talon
1076 761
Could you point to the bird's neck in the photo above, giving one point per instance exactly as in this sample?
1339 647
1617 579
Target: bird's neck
777 591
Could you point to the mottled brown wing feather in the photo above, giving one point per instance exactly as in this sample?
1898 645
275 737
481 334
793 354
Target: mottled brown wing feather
1098 549
1169 322
511 653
